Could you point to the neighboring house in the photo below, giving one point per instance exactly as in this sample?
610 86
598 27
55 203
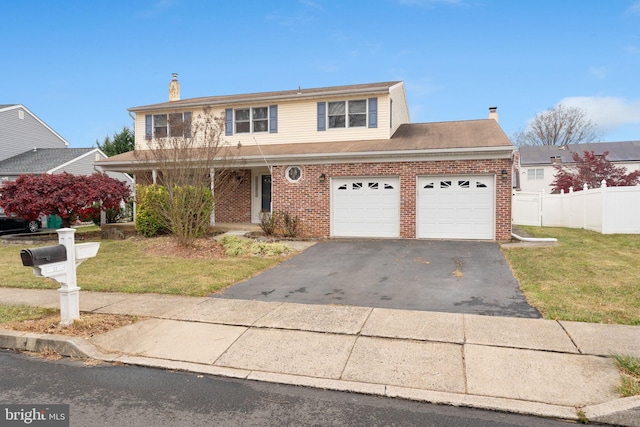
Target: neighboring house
21 130
346 161
536 165
76 161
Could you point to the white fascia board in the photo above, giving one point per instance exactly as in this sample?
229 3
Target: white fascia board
484 153
262 99
480 153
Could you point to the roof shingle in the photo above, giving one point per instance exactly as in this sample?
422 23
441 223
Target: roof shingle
40 161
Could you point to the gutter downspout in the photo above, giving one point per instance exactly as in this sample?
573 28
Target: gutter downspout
534 239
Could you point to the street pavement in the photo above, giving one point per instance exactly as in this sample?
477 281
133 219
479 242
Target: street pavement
541 367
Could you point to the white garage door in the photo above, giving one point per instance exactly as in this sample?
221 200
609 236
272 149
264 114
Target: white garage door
365 207
456 207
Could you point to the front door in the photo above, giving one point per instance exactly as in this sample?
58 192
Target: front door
265 205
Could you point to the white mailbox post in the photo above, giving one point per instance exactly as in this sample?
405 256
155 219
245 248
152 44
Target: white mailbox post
64 271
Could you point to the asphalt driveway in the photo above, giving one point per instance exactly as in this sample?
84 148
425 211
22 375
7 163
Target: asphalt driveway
446 276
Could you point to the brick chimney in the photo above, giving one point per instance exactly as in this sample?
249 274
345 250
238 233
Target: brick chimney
174 88
493 113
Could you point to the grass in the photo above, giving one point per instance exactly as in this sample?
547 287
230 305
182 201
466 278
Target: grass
125 266
19 313
629 367
587 277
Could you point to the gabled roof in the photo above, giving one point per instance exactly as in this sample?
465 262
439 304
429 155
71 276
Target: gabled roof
7 107
300 93
625 151
42 160
409 141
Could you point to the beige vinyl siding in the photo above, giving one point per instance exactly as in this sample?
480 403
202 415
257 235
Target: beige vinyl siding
400 109
297 123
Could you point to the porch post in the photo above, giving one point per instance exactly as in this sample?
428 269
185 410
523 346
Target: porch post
212 218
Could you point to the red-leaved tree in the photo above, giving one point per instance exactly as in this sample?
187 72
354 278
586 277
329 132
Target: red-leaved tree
591 169
68 196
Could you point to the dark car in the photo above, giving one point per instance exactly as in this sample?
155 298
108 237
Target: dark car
12 223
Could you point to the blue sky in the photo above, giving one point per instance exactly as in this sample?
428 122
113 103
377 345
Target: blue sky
78 65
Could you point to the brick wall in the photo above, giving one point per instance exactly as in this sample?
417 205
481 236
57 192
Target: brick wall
232 196
310 199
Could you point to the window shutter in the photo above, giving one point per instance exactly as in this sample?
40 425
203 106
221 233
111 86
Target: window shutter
373 112
148 126
273 119
228 121
322 116
187 124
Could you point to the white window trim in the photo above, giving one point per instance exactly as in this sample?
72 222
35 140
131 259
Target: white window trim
168 126
346 114
286 174
251 120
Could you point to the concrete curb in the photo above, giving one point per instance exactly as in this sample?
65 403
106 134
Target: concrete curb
613 411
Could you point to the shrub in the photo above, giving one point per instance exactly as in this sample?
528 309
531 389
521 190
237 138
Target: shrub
189 209
290 224
268 223
150 220
268 249
233 245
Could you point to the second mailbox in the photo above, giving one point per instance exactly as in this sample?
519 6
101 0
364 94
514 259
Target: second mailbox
40 256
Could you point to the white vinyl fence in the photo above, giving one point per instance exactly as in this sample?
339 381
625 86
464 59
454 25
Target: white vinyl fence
608 210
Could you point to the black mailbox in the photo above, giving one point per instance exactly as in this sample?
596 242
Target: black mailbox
46 255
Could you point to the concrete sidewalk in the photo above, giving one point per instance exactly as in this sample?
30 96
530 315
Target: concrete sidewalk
530 366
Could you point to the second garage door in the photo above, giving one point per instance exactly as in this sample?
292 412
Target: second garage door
365 207
456 207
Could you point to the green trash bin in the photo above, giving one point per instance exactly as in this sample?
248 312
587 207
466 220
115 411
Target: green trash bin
54 221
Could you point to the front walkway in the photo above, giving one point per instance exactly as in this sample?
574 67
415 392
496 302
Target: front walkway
530 366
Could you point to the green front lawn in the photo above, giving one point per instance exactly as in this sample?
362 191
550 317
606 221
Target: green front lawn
587 277
129 266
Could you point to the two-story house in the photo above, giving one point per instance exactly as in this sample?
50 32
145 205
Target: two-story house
21 130
348 163
536 165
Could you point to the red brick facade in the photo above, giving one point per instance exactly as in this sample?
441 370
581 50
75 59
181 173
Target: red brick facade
233 200
310 198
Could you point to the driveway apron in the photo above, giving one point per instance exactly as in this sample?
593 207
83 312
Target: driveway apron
446 276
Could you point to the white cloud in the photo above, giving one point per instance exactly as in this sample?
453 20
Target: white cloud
608 112
634 8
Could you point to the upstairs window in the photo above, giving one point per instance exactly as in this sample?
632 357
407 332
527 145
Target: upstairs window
160 126
260 119
174 125
251 120
337 112
348 114
355 111
243 121
535 174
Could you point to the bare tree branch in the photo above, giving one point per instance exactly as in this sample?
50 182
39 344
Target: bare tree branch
559 125
185 161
